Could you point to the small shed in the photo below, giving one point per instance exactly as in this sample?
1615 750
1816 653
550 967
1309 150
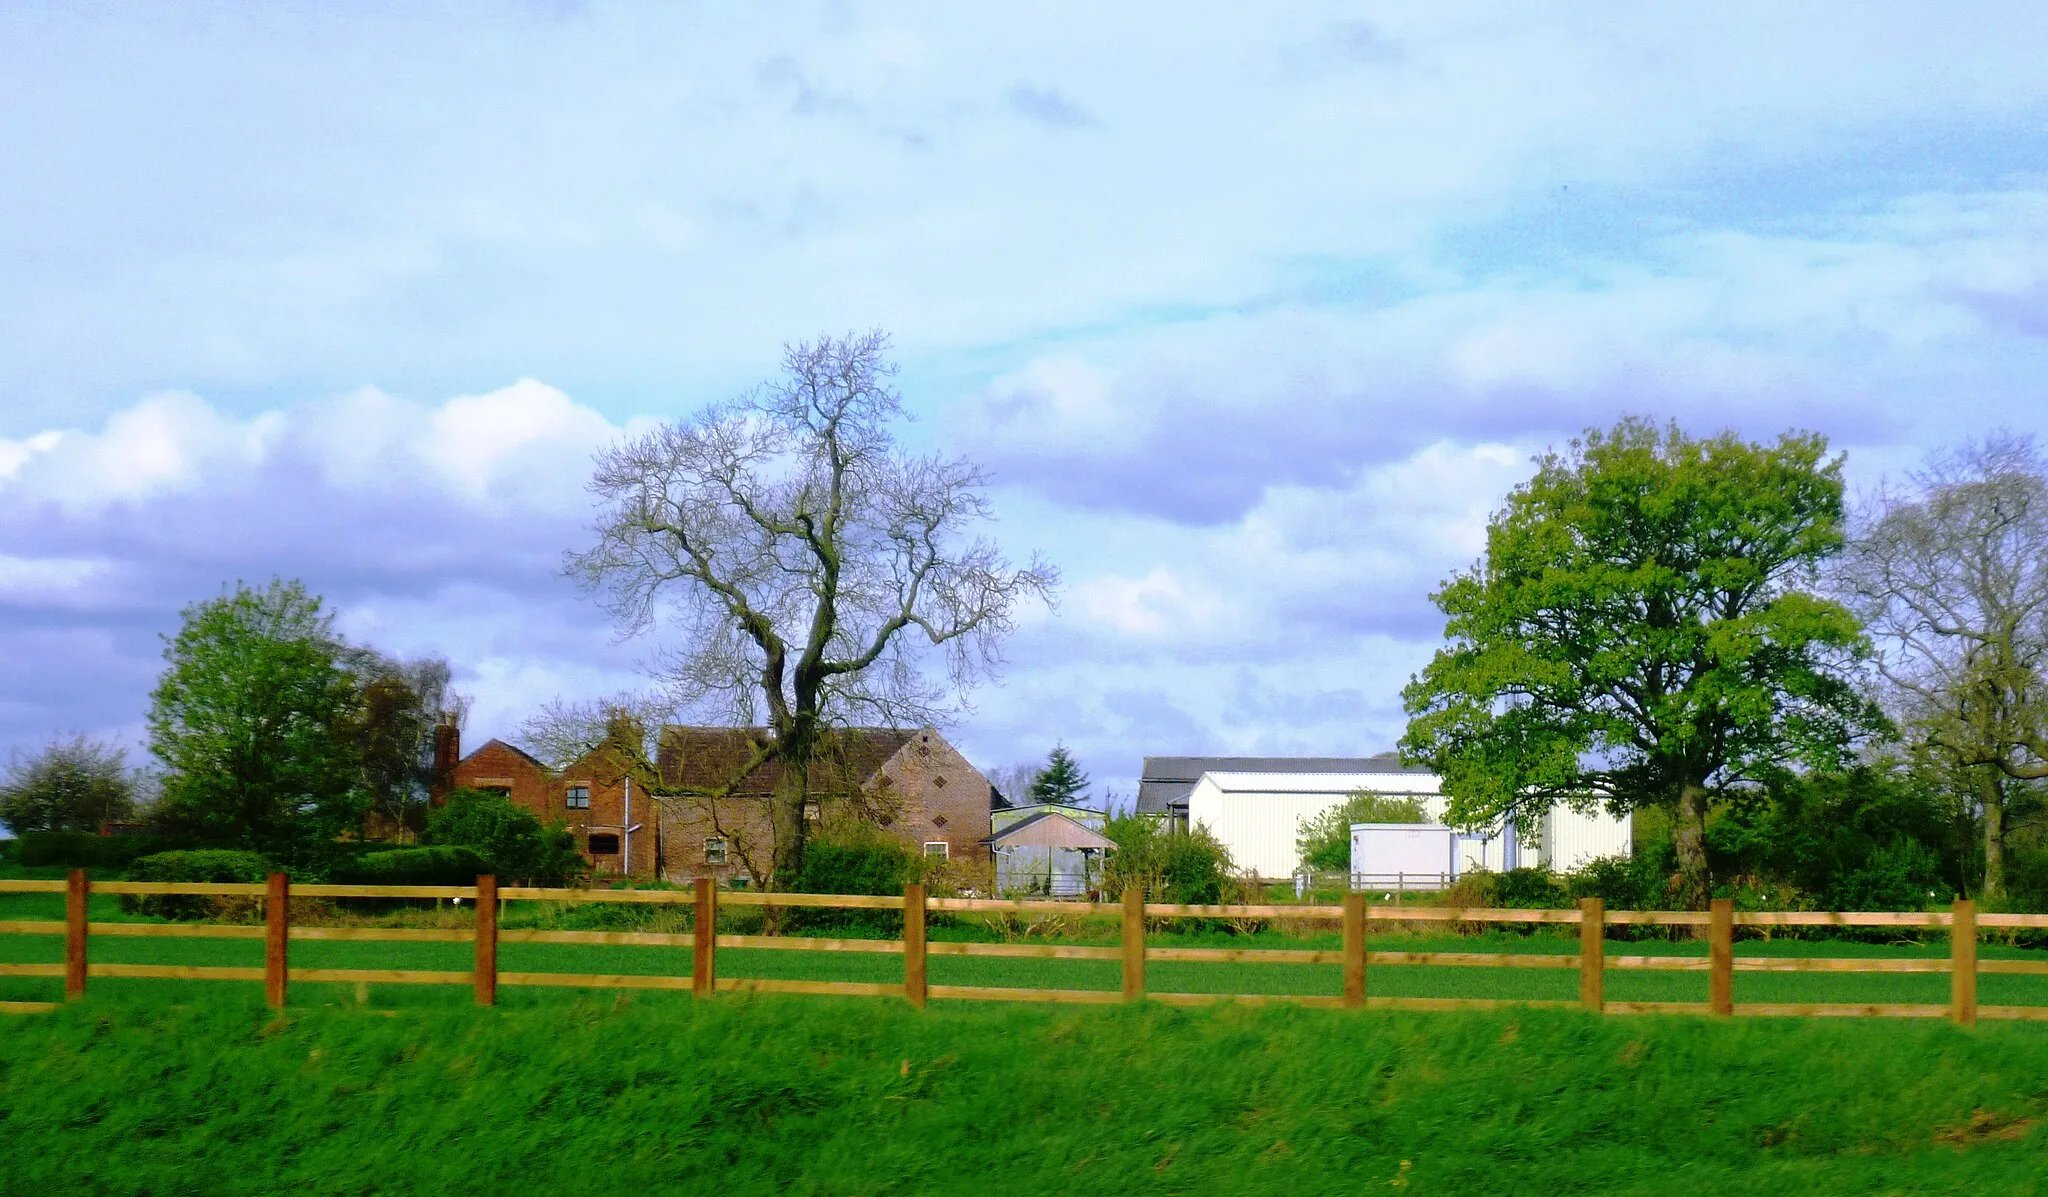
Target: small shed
1049 853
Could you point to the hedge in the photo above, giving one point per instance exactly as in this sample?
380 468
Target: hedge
204 865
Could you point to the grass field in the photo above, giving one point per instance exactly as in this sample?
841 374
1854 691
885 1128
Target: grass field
657 1094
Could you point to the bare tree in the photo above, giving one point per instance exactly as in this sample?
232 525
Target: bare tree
1952 577
809 569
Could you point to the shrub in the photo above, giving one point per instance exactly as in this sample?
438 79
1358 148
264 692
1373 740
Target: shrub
86 850
445 864
202 865
1190 867
851 856
2026 881
515 844
1902 875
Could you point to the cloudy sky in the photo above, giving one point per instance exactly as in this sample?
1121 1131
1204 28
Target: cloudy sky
1255 312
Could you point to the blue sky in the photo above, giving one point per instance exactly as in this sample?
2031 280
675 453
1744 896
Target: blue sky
1255 312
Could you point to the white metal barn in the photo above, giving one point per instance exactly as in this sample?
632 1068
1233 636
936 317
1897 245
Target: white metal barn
1254 806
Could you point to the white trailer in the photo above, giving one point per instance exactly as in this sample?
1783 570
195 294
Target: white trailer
1422 856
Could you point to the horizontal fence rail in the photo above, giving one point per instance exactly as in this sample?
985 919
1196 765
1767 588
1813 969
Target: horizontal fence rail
1592 960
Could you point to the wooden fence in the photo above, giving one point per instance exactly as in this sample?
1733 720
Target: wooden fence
1592 960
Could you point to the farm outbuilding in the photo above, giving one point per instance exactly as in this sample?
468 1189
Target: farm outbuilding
1255 806
1047 852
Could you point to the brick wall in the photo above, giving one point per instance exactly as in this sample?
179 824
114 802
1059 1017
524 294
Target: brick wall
602 777
933 795
499 766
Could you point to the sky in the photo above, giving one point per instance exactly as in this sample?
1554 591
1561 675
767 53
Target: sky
1253 313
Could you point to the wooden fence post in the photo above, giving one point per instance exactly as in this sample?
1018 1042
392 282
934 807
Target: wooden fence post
913 944
1592 953
76 890
1962 981
1721 957
276 936
1354 949
487 940
1134 943
704 944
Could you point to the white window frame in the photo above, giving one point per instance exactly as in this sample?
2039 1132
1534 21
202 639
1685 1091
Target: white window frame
721 854
945 849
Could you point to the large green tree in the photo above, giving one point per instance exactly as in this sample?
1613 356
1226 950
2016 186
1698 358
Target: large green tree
1638 634
252 723
71 785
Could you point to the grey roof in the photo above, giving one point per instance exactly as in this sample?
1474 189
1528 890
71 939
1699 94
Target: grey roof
1169 779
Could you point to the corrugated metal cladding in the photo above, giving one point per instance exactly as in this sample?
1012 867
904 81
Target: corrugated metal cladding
1258 815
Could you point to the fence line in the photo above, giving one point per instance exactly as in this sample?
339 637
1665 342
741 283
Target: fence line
1591 960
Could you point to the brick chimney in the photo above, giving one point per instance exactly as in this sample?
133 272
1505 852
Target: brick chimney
447 751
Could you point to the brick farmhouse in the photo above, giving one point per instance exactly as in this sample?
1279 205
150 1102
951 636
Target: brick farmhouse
705 820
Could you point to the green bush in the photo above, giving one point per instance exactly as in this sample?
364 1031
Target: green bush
1168 865
444 864
515 844
212 865
1622 882
854 857
2026 881
85 850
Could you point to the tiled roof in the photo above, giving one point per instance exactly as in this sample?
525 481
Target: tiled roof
704 758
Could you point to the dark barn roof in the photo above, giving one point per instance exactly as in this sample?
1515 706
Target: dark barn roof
1168 780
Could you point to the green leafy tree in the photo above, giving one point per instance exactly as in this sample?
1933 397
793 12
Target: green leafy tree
1061 781
250 721
74 785
1637 634
511 838
1324 841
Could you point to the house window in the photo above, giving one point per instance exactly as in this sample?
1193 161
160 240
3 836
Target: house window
579 797
938 820
936 848
500 791
604 843
714 852
938 783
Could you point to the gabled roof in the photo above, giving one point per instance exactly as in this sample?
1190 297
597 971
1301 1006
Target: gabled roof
1049 829
1169 779
515 749
705 758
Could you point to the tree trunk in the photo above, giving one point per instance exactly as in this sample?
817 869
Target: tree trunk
1688 837
786 820
1991 795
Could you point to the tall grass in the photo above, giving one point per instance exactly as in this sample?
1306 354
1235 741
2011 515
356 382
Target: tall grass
768 1095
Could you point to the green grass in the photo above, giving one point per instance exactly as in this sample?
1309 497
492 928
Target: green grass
658 1094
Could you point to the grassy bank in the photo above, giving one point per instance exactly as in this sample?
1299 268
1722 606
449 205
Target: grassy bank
816 1095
